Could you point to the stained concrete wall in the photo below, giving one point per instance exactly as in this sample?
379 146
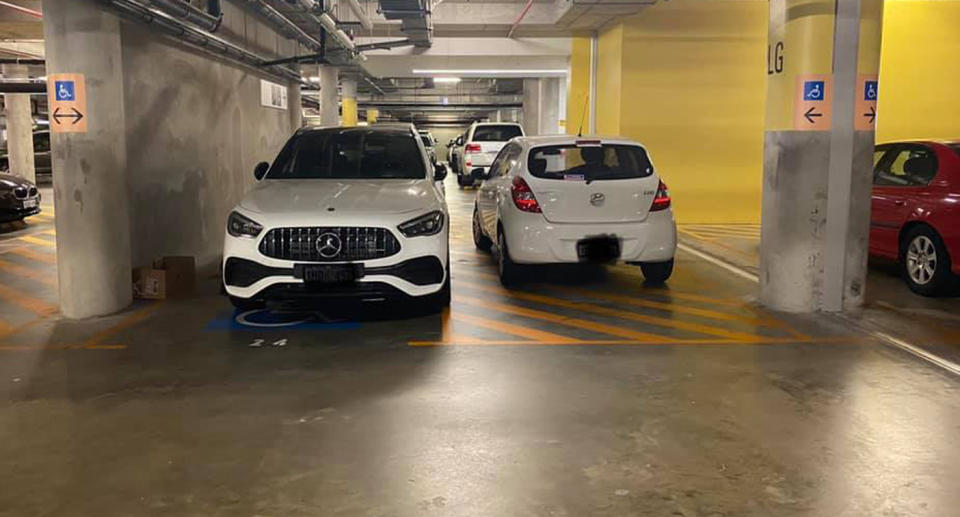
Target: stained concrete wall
195 130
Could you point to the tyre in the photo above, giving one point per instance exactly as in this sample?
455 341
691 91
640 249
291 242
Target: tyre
247 304
508 269
924 261
657 272
460 182
481 241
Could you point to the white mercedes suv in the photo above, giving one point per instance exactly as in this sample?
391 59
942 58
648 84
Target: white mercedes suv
568 199
341 212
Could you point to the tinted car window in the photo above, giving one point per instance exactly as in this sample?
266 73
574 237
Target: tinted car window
505 160
496 133
595 162
913 166
426 141
41 142
354 154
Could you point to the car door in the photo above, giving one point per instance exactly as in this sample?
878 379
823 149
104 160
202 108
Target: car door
898 187
487 193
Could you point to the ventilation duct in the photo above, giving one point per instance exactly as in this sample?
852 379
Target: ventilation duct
414 16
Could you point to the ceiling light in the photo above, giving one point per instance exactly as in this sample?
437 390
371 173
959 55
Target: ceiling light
314 79
446 80
519 72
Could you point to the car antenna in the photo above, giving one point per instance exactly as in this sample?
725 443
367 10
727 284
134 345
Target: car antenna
583 115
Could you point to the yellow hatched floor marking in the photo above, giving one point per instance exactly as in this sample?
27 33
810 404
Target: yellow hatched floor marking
42 215
97 340
49 278
626 315
507 328
26 301
468 341
51 231
47 258
35 240
562 320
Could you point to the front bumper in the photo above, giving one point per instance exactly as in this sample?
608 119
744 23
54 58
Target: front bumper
533 240
15 214
419 269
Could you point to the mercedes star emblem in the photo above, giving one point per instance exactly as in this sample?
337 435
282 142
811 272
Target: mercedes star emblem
329 245
596 199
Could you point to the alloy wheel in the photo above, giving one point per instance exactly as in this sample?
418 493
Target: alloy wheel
921 260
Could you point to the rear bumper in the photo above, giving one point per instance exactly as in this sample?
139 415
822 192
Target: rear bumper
533 240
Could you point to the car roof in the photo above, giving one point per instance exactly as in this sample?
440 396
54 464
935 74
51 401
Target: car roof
406 129
534 141
929 141
496 124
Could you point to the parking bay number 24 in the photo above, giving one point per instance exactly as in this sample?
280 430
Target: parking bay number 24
257 343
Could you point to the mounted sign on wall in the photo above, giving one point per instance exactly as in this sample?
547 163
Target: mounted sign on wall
865 110
814 103
67 97
273 95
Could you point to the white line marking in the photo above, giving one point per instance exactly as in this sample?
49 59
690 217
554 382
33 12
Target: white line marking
946 364
743 273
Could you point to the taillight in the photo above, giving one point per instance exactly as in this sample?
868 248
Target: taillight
523 196
473 148
662 200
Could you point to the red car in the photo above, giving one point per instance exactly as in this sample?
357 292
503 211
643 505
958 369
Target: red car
915 216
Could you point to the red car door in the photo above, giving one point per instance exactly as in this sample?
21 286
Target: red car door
896 192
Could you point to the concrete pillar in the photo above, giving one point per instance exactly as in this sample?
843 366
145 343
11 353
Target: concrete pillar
372 115
531 107
329 97
348 101
818 155
19 127
90 182
294 104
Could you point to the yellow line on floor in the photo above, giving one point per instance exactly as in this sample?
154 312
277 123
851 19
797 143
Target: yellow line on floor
51 231
128 321
49 278
47 258
507 328
626 315
563 320
622 342
26 301
33 240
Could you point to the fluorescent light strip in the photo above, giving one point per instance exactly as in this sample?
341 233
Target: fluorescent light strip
478 71
448 80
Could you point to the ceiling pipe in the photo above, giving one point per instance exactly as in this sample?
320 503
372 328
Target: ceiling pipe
284 24
195 37
188 13
22 61
360 14
520 17
36 87
22 9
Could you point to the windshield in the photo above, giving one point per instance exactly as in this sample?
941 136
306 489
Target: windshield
496 133
350 154
427 141
593 162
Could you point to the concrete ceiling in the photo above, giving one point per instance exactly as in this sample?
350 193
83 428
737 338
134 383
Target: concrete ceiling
19 26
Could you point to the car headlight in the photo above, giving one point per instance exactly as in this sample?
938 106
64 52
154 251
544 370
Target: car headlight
428 224
241 226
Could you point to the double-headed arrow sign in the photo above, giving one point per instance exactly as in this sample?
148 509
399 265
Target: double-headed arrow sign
76 115
872 114
811 114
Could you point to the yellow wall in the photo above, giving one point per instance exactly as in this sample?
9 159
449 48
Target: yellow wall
578 86
919 70
609 80
693 81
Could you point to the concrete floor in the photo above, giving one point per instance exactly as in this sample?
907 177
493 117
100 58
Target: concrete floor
582 393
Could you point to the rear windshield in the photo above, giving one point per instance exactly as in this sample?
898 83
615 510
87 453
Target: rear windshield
496 133
350 155
955 147
427 142
590 163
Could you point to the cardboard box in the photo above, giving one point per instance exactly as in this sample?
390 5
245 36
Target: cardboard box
169 277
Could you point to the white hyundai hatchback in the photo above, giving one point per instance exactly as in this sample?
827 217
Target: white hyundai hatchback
570 199
342 212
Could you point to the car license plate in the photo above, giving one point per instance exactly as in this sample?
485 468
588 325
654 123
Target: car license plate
30 203
329 274
599 249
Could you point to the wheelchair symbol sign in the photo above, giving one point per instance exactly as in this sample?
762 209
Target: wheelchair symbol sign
813 90
870 90
65 90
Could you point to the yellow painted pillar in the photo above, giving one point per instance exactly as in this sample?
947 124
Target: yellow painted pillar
372 115
348 102
818 148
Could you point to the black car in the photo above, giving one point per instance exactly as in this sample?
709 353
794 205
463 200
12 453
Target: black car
18 198
41 156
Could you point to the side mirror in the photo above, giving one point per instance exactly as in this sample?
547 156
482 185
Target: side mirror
261 170
478 174
439 172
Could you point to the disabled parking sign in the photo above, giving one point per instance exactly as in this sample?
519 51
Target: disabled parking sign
67 98
865 109
813 104
65 90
